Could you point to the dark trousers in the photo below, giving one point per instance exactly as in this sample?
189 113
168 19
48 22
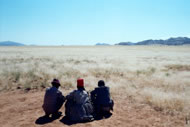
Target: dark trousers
59 104
104 108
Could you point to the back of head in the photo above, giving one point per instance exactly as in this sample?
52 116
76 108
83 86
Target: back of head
101 83
55 83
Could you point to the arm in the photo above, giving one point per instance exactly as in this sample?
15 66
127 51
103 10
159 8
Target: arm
93 95
70 96
60 96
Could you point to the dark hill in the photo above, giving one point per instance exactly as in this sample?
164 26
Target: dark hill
170 41
10 43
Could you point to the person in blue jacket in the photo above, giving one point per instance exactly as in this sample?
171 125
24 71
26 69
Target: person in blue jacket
101 99
53 99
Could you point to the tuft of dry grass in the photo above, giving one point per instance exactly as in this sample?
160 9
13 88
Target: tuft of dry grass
177 67
106 73
67 85
148 72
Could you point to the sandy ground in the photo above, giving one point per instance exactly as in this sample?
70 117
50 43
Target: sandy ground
23 109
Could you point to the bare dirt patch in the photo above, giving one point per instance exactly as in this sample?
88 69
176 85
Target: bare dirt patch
20 109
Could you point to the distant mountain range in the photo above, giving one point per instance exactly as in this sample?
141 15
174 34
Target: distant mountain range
10 43
170 41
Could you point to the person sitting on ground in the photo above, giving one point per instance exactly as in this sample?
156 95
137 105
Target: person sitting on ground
53 99
78 107
101 99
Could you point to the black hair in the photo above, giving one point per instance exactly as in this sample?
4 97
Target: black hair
80 88
101 83
56 85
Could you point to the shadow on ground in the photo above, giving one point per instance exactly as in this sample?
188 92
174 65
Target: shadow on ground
105 116
44 119
67 121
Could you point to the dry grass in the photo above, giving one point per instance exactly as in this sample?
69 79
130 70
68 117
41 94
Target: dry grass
178 67
147 72
134 72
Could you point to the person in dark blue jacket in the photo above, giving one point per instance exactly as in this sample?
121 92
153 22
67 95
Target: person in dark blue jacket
101 99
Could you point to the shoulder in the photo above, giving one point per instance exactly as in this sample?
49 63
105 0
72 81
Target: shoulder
107 87
74 91
59 91
47 89
103 88
93 91
97 88
85 92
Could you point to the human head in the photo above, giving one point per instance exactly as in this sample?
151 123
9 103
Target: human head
80 83
101 83
55 83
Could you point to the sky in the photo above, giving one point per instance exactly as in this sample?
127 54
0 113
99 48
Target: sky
87 22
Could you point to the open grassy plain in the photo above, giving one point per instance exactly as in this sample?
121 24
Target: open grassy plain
150 84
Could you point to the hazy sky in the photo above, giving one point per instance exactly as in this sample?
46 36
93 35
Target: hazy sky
86 22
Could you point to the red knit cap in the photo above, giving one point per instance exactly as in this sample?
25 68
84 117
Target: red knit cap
80 82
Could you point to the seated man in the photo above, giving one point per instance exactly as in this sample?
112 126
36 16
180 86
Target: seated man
78 107
53 99
101 99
